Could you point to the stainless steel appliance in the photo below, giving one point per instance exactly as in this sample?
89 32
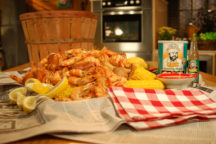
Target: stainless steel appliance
125 26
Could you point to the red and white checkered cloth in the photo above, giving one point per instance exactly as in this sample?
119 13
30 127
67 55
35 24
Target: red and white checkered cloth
148 108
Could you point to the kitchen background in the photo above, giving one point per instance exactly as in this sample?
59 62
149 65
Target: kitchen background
142 22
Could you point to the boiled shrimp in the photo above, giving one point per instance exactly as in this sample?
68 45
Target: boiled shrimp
81 81
76 72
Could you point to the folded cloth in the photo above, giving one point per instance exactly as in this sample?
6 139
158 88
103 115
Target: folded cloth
148 108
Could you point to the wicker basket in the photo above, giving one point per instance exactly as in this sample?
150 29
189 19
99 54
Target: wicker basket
51 31
206 44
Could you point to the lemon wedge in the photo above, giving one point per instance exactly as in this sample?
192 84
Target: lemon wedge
32 80
40 88
29 103
20 99
14 93
60 87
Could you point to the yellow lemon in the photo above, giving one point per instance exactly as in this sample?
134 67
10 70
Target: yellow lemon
60 87
14 93
20 99
29 103
40 88
31 80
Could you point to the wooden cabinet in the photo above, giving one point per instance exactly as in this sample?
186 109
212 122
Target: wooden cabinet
159 19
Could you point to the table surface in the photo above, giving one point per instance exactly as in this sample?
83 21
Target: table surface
47 139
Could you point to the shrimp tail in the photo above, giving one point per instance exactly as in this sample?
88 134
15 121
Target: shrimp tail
16 78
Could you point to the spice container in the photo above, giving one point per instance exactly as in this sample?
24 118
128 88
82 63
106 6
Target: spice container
172 56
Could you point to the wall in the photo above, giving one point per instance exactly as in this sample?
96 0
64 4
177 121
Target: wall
13 41
39 5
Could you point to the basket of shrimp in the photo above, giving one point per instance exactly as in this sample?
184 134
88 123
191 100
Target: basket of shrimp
78 74
50 31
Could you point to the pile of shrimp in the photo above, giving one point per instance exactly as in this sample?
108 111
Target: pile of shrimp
92 71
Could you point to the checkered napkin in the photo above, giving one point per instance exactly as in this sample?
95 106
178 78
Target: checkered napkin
148 108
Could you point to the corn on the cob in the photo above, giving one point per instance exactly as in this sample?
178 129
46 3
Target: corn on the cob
146 84
66 93
137 61
139 73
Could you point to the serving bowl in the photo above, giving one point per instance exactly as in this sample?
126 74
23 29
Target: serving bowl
176 80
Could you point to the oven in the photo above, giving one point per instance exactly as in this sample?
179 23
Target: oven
124 26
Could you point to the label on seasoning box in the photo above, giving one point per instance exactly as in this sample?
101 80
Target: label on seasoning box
172 56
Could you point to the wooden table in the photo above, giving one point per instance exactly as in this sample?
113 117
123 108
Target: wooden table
47 139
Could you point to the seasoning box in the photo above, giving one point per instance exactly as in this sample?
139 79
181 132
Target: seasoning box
172 56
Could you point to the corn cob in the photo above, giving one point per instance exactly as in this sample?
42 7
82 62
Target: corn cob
146 84
139 73
137 61
66 93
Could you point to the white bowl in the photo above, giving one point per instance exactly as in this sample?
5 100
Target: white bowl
175 80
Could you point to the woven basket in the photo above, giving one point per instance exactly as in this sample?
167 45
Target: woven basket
51 31
206 44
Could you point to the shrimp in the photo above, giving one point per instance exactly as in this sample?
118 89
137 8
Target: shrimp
16 78
117 60
53 61
43 62
101 92
73 52
87 63
41 74
95 53
76 72
116 80
53 77
83 92
70 61
30 73
81 81
100 89
108 52
112 78
91 72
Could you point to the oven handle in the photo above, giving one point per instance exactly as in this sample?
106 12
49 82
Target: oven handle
131 12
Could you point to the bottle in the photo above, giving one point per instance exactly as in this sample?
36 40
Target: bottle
193 60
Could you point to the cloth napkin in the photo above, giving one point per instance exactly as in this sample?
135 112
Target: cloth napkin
148 108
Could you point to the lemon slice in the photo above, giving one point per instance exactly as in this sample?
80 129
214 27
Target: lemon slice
14 93
40 88
60 87
29 103
31 80
20 99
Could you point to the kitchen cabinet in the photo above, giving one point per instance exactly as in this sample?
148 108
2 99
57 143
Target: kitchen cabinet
159 19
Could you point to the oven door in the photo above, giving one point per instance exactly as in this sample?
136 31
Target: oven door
122 26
